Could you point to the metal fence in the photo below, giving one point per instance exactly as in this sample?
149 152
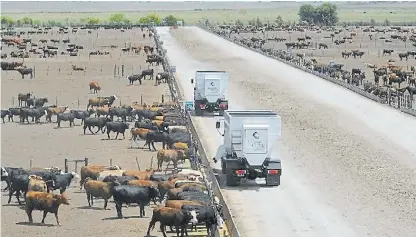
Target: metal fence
202 160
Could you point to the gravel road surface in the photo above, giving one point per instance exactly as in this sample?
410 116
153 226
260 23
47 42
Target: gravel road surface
348 163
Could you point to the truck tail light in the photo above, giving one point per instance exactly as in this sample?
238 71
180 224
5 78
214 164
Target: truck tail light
224 106
240 172
273 172
202 106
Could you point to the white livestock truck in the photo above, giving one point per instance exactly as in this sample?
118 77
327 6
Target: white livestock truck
210 92
250 137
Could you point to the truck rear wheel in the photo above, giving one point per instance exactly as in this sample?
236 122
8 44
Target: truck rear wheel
198 110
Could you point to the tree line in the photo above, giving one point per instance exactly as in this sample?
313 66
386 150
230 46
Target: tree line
116 19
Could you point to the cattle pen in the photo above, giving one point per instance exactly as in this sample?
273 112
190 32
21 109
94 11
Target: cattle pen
330 62
46 145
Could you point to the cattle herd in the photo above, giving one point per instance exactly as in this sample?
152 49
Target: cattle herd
378 60
179 196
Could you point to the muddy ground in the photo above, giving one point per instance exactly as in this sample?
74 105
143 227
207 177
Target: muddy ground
44 145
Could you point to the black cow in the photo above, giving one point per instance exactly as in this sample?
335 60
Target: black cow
158 61
119 179
63 181
5 113
25 71
18 183
35 113
65 117
36 102
147 72
4 176
117 127
133 194
19 180
82 114
150 126
133 78
156 136
172 138
147 114
10 172
205 214
162 77
96 122
120 112
14 112
159 177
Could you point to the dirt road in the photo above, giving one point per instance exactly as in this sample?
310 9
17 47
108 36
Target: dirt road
348 162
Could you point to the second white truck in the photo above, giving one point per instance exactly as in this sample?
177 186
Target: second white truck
210 92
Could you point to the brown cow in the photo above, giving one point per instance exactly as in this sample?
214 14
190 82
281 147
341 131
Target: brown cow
172 217
54 111
100 189
94 86
168 156
93 172
46 202
141 175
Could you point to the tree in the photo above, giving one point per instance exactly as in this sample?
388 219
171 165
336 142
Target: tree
117 18
26 21
238 22
6 20
325 14
93 20
36 22
154 18
151 19
307 13
279 21
170 20
258 22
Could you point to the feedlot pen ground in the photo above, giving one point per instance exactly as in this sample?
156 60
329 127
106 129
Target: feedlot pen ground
48 146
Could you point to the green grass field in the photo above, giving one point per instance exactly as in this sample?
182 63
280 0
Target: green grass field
352 12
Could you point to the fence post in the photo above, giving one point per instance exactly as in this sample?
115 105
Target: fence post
86 161
115 66
30 163
141 99
78 102
13 101
56 100
66 165
163 99
118 70
34 71
122 70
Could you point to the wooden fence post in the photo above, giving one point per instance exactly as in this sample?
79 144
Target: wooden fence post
86 161
141 99
34 71
122 70
66 165
163 98
115 66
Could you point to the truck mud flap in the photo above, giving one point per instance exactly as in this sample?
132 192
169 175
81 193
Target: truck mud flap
272 180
